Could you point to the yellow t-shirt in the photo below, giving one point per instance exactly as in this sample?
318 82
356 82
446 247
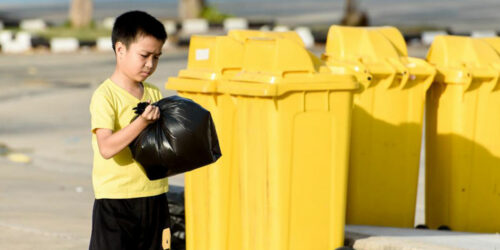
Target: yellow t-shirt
120 177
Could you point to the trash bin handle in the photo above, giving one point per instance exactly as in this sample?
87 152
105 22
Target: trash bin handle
495 80
486 74
480 73
453 75
363 76
389 69
226 69
419 67
465 75
400 69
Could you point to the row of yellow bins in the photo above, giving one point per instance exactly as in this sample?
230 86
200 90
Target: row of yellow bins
311 143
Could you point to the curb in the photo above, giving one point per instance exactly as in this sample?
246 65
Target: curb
180 33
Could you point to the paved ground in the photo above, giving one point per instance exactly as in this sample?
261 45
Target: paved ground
46 204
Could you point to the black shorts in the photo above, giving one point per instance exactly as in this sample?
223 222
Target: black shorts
135 224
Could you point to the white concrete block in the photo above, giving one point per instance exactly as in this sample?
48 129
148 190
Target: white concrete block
24 37
306 35
19 44
5 36
170 27
108 22
234 23
265 28
194 26
483 33
64 44
104 44
15 47
428 36
281 28
33 24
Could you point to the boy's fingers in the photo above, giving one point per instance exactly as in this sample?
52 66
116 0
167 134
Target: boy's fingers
154 114
148 111
151 112
150 108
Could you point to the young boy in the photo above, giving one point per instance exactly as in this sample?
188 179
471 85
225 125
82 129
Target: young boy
130 211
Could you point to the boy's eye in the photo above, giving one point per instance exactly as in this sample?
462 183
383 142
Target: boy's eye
145 56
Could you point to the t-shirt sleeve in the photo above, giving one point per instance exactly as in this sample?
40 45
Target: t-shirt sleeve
102 114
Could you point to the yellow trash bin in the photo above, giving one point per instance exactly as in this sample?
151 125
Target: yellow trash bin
212 193
386 122
292 123
463 136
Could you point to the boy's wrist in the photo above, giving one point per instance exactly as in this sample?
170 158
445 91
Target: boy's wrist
144 120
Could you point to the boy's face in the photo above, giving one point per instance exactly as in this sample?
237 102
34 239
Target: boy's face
139 61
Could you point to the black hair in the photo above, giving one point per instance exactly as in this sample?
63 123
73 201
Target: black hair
129 25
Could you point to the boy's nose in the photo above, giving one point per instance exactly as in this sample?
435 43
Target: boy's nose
149 63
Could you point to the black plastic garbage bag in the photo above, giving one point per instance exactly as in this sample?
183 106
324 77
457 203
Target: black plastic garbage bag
182 139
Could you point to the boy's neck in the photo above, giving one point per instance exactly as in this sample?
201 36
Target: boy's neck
123 81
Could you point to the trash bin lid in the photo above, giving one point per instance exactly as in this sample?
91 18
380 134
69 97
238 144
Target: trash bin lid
374 53
371 44
460 60
210 58
275 66
213 54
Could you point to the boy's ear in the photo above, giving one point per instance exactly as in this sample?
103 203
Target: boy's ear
120 48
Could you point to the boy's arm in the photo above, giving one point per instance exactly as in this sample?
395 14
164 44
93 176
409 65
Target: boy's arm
110 143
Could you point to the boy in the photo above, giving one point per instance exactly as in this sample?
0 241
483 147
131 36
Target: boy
130 211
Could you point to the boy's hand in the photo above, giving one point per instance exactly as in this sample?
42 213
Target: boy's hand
151 113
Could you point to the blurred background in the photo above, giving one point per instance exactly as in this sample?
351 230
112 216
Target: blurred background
457 15
54 53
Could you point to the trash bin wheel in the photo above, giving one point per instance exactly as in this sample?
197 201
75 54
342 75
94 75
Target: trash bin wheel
444 228
422 226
